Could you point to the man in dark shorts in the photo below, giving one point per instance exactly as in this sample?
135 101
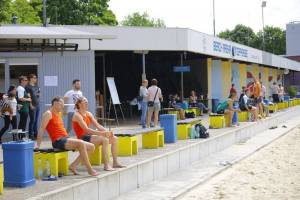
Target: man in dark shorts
52 122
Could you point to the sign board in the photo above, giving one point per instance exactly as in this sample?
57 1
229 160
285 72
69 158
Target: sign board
51 81
182 69
113 90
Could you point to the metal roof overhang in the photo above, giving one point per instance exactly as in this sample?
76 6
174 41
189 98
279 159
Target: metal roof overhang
19 32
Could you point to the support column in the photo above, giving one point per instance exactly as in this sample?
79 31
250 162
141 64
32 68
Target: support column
7 76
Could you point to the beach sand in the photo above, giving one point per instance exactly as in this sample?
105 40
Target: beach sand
273 173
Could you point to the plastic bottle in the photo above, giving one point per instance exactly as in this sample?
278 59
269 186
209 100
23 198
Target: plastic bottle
47 169
40 171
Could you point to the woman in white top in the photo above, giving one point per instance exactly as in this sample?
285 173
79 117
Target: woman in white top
10 117
143 93
154 95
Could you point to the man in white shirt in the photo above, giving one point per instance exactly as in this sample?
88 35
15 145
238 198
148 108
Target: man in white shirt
70 97
154 95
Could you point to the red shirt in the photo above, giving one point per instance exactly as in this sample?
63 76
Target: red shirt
77 128
55 128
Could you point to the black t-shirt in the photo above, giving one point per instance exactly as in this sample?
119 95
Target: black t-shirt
34 92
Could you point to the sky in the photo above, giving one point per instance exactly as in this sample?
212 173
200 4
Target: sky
198 14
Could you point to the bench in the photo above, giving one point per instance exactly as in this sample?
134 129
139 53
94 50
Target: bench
195 110
58 161
128 142
218 120
183 127
1 178
273 108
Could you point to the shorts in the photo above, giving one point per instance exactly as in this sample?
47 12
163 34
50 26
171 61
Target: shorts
86 137
60 143
155 108
259 100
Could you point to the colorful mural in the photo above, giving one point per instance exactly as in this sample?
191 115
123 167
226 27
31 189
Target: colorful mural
223 73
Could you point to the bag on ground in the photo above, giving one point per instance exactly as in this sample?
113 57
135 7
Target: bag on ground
201 131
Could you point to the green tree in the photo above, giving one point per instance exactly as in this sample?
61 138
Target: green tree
137 19
76 12
4 11
25 12
275 41
274 38
240 34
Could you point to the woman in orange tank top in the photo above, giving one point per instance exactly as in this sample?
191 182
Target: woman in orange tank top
52 122
81 122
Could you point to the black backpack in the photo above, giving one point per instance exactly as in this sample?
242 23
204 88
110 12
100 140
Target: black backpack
190 115
203 132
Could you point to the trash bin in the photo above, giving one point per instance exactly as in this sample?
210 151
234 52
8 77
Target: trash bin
169 123
18 163
214 106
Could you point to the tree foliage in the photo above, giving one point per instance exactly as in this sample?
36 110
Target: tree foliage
4 11
274 38
137 19
71 12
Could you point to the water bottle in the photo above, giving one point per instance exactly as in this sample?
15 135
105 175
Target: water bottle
47 169
40 172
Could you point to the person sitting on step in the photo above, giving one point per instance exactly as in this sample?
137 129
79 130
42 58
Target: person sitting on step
81 122
227 107
52 122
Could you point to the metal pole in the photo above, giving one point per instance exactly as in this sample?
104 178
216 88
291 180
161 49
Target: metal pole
263 24
181 63
144 66
44 14
104 89
214 18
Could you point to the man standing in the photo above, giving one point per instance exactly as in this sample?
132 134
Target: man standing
24 100
34 91
70 98
275 90
143 93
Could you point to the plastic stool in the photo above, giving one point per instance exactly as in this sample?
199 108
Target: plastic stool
216 121
58 162
183 131
127 145
153 140
243 116
96 157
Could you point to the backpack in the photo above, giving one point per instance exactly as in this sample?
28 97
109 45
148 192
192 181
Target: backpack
190 115
222 106
201 131
242 103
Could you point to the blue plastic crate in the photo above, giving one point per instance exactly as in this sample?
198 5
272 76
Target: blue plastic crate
18 164
169 123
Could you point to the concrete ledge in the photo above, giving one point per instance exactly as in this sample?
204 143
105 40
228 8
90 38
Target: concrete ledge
113 184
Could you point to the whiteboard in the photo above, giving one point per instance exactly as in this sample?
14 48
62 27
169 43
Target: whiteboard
113 90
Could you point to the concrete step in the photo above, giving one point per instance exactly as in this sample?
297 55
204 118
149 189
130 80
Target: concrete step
178 183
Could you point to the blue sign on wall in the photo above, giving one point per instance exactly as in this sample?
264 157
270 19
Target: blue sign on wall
182 69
